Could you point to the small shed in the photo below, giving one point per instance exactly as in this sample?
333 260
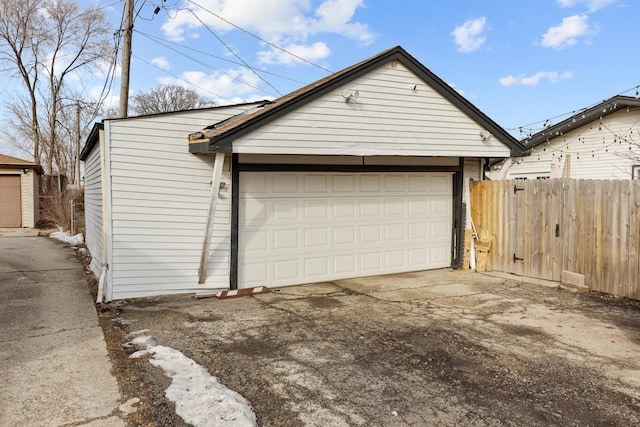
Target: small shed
358 174
19 192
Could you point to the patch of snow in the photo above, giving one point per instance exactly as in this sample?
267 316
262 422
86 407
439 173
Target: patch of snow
199 397
66 237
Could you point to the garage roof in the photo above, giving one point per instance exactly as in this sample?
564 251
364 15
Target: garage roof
10 162
219 137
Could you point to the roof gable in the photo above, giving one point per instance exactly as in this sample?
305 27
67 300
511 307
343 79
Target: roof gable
10 162
220 136
584 117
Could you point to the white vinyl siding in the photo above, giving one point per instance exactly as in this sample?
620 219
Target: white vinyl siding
93 208
299 227
28 211
596 151
473 169
387 118
159 202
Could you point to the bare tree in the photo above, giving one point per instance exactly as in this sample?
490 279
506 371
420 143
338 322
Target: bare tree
164 99
47 43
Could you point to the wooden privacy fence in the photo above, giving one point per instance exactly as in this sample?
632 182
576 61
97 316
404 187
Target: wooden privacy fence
539 228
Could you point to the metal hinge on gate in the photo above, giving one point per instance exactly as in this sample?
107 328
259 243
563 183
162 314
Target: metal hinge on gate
515 258
516 189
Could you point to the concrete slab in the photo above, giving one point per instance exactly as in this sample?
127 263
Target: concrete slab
53 356
19 232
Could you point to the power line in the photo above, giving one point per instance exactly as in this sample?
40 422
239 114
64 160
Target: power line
204 64
258 37
165 42
234 53
182 79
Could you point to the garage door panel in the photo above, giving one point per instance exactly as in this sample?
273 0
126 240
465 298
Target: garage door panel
343 184
316 238
285 184
254 213
394 207
370 233
344 209
316 210
316 268
394 233
326 226
395 260
286 239
316 184
344 236
370 262
344 265
369 183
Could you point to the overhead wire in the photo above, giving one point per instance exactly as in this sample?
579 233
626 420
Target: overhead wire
182 79
233 52
204 64
106 88
275 46
165 42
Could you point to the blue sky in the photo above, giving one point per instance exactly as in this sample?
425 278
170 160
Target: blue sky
519 61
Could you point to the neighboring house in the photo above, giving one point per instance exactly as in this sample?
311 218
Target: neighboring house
19 192
599 142
358 174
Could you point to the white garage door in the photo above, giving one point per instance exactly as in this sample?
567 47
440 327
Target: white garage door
299 228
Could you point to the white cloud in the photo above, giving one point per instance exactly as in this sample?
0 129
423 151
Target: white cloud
161 62
534 79
282 22
567 33
592 5
469 36
231 83
313 53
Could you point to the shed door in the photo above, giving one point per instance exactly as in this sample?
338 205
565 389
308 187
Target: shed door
297 228
10 201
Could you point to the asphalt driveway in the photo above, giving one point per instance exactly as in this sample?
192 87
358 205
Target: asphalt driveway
418 349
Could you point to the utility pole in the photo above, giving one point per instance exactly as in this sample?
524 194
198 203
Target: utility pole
126 58
77 168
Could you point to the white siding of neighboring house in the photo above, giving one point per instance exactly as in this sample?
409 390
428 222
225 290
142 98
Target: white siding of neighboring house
387 118
36 197
26 189
93 208
159 203
596 151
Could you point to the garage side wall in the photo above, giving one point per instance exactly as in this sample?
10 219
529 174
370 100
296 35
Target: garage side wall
93 208
160 198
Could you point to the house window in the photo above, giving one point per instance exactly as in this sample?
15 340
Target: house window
635 172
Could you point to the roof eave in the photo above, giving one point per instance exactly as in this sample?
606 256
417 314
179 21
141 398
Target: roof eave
92 140
614 105
226 138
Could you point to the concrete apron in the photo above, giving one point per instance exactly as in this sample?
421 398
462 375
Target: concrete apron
53 357
477 301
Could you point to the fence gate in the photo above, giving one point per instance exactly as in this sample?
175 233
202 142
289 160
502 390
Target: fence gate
541 227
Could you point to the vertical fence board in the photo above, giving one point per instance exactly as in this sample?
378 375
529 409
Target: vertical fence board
634 241
598 226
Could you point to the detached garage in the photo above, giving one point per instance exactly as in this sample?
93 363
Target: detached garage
19 192
358 174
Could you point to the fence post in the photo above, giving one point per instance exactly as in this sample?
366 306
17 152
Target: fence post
73 218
